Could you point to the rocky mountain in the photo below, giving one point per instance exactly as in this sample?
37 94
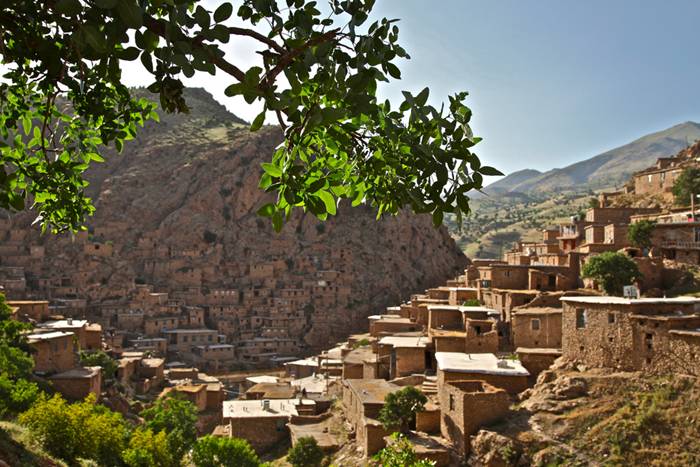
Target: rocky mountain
177 210
604 170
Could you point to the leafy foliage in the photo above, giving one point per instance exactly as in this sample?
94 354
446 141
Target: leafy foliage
686 185
147 449
214 451
612 271
99 358
400 453
400 408
16 393
639 233
177 417
305 453
63 99
82 430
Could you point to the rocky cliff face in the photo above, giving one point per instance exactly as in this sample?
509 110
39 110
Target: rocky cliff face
178 210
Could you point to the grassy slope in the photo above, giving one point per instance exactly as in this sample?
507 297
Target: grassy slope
16 448
498 221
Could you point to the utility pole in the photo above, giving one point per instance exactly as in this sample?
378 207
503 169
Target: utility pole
692 207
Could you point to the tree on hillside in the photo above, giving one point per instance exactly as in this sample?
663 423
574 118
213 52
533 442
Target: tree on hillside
612 271
81 430
400 453
214 451
305 453
63 99
686 185
639 233
148 449
177 417
99 358
16 392
400 408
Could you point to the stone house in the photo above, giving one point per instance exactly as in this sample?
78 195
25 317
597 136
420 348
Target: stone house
182 340
536 360
37 310
506 374
354 362
537 327
195 393
76 326
270 391
363 399
263 423
303 368
406 354
481 335
391 325
77 383
53 351
465 406
627 334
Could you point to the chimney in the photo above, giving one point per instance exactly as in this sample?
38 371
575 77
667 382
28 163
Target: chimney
69 321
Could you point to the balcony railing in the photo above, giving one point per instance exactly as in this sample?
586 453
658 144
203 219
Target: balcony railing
681 245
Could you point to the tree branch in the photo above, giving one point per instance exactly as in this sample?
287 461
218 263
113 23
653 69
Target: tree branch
260 37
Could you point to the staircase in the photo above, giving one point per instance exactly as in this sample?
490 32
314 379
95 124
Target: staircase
429 385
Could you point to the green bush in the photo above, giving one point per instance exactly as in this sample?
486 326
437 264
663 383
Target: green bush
612 271
213 451
147 449
178 418
400 453
639 233
686 185
400 408
305 453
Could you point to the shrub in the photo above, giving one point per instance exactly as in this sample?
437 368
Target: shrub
400 408
472 302
82 430
400 453
147 449
305 453
178 418
213 451
612 271
686 185
639 233
101 359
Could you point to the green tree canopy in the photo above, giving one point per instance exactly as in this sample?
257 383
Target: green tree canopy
63 100
612 271
99 358
148 449
16 392
177 417
214 451
400 453
686 185
305 453
639 233
81 430
400 408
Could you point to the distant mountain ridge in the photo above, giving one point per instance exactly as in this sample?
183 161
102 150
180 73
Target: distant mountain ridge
604 170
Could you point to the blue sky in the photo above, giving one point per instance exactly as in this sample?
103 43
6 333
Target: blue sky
551 82
554 82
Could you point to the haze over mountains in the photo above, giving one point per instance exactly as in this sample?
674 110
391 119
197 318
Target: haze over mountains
604 170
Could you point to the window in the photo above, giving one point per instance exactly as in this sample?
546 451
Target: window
611 318
580 318
535 324
452 402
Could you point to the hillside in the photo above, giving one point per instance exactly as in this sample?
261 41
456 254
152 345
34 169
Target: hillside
604 170
177 210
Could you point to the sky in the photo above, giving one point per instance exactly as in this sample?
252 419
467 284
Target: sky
551 82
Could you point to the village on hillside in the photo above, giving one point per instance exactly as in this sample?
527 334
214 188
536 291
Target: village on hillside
471 347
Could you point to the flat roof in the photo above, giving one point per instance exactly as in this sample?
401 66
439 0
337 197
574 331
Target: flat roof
404 341
537 311
255 408
483 363
371 391
262 379
189 331
607 300
304 362
43 336
63 323
358 355
538 351
313 383
383 316
87 372
463 309
274 390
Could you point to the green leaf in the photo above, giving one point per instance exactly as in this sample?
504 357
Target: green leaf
68 7
129 54
267 211
258 122
277 221
422 98
130 13
223 12
393 70
272 169
106 4
437 218
328 200
486 170
202 17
